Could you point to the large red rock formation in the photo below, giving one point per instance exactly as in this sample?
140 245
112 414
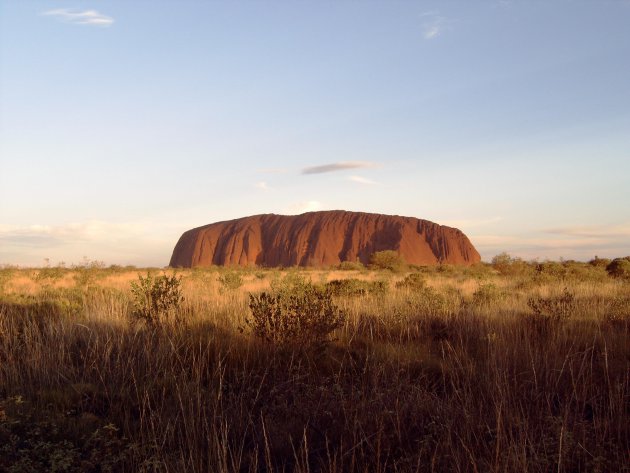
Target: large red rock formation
320 239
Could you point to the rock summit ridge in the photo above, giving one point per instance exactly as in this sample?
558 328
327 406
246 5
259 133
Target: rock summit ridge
324 238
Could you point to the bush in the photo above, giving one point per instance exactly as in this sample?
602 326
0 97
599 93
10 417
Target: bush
487 295
427 301
351 266
231 280
6 274
619 268
599 262
304 319
388 259
555 307
356 287
551 270
479 271
548 313
156 299
88 272
292 283
413 281
618 312
507 265
49 275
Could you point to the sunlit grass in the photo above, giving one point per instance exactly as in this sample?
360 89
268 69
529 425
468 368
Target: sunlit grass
457 373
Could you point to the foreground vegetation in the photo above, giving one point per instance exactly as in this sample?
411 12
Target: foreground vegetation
510 367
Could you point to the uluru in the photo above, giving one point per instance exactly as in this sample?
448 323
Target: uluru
318 239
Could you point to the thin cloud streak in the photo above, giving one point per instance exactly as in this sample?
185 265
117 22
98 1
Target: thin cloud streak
362 180
262 185
41 235
87 17
601 231
434 25
301 207
339 166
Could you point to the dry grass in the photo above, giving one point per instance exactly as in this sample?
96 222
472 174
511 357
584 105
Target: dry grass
457 375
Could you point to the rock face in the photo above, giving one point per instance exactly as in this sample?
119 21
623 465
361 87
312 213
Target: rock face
320 239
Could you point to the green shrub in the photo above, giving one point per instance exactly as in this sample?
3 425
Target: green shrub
509 266
558 307
6 274
618 312
421 268
48 275
599 262
293 282
549 270
443 268
356 287
619 268
548 313
67 301
351 266
413 281
287 319
88 272
479 271
428 301
156 299
388 259
231 280
579 271
487 295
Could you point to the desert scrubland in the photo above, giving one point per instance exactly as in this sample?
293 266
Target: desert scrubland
509 367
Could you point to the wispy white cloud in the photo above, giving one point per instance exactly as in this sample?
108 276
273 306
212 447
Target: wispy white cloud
262 185
339 166
54 235
86 17
434 24
431 31
301 207
538 242
592 231
362 180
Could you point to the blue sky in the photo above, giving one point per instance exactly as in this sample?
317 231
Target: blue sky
123 124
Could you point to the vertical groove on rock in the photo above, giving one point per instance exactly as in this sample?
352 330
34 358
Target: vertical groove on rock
321 239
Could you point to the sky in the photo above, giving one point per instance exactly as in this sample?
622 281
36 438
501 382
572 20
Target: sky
123 124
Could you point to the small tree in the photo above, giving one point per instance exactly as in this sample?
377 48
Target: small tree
599 262
156 299
510 266
619 268
388 259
